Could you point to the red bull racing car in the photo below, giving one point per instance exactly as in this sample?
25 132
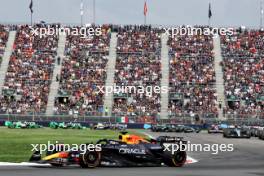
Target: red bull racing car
128 151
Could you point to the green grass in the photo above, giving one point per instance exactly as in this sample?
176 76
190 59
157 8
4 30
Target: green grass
15 144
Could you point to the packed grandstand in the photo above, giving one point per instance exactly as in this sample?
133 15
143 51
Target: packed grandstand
192 74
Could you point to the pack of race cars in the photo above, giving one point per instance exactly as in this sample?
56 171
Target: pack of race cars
228 131
65 125
260 134
108 126
22 125
174 128
234 131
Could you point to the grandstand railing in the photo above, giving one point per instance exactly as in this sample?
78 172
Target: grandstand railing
180 119
259 115
69 118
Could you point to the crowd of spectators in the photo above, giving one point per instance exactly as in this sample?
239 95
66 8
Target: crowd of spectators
243 67
138 64
29 73
94 44
192 82
192 76
3 40
83 72
138 40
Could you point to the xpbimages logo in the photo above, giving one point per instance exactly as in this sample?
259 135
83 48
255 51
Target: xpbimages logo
84 31
148 91
190 31
50 147
190 147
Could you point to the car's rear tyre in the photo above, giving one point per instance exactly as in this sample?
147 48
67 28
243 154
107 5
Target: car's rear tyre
90 159
176 160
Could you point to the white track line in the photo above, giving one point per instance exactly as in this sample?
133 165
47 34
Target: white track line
190 160
22 164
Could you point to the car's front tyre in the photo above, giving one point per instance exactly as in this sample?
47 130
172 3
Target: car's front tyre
178 159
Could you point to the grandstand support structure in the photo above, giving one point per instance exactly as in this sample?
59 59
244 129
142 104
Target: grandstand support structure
54 86
219 75
165 76
6 58
108 101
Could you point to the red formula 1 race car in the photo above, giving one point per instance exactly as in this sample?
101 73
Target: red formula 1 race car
130 150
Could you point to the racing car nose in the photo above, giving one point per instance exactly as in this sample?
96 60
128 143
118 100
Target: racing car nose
57 155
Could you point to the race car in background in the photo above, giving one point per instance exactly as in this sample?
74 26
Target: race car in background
215 129
119 153
158 128
261 133
99 126
236 132
119 126
167 128
174 128
188 129
22 125
106 126
63 125
254 130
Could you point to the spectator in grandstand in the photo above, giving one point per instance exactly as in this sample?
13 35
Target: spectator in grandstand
243 67
3 40
192 76
138 64
29 73
83 71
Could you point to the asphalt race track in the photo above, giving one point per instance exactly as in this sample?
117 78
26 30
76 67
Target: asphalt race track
246 159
